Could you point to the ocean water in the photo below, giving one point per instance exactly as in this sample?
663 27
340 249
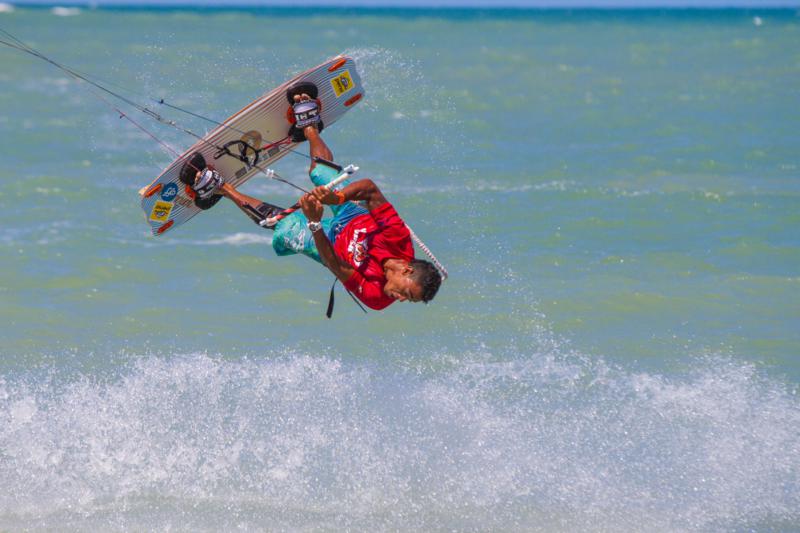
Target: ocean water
616 195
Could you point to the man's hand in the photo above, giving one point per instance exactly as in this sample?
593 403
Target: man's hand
360 191
311 207
325 195
313 211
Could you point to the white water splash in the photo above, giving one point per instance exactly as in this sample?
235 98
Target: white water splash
532 443
239 239
65 11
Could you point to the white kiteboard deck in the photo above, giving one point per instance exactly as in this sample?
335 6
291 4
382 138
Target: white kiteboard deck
246 143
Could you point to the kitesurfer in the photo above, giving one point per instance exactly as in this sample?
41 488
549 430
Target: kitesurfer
367 247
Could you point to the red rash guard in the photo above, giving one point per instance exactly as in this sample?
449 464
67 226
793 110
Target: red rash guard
365 243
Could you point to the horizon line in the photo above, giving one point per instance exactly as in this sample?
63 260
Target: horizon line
422 6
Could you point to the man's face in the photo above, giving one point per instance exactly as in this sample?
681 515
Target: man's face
399 286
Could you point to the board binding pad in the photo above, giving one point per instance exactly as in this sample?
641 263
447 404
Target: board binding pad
248 142
298 89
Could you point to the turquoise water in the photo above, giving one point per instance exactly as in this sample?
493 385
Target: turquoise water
615 194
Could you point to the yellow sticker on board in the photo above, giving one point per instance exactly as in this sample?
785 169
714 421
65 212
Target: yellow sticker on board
342 83
161 211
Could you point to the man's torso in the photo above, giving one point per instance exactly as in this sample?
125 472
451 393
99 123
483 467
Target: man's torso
366 243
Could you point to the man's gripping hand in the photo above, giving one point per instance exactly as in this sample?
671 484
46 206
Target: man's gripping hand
326 195
311 207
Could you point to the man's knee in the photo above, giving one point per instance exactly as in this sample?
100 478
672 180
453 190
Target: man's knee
293 237
322 174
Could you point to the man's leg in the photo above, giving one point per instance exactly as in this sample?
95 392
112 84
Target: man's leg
252 207
320 174
316 147
291 236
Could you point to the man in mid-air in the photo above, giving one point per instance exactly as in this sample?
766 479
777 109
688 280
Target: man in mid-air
368 248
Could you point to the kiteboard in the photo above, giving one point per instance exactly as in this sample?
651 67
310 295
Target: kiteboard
247 142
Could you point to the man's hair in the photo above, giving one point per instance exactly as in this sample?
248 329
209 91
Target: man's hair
428 277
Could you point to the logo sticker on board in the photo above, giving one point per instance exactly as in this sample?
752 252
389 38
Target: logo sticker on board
161 211
342 83
169 192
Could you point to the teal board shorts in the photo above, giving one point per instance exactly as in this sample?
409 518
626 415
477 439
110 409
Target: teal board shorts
292 235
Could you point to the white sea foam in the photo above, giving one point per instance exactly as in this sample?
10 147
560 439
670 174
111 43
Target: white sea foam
235 239
65 11
6 8
239 239
535 442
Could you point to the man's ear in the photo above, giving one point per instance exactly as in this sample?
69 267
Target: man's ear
408 269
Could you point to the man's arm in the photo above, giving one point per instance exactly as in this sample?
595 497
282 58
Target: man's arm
313 211
362 190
